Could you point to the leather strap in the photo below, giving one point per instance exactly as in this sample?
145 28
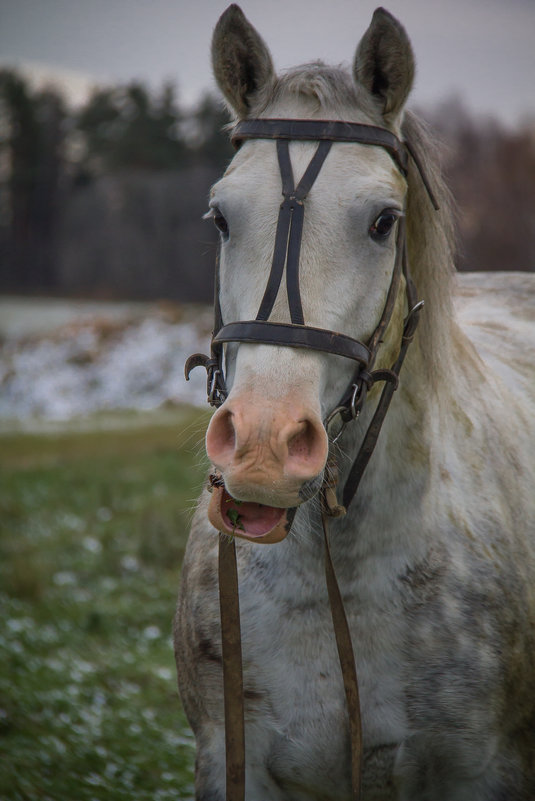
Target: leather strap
311 173
289 232
318 130
346 658
279 259
232 670
377 336
292 264
420 167
293 336
370 438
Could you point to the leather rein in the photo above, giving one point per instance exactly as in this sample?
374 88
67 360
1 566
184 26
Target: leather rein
297 334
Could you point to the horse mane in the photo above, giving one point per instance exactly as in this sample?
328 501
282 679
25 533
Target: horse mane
431 248
331 93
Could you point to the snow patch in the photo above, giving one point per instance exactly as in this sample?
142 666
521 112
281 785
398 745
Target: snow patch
103 364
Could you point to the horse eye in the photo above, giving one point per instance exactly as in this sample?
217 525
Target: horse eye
383 225
220 223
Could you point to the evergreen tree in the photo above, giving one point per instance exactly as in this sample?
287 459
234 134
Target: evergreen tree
33 155
127 127
209 141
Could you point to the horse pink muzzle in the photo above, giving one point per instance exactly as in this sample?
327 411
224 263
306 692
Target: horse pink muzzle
265 454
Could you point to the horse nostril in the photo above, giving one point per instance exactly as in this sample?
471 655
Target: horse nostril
299 444
307 448
221 435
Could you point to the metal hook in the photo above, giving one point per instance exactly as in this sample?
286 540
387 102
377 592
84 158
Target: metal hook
339 410
215 391
357 388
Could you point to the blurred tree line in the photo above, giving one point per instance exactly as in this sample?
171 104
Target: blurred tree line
107 200
491 173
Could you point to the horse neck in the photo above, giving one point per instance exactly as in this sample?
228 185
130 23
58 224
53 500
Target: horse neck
389 501
383 521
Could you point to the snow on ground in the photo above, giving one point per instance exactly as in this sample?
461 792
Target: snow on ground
60 361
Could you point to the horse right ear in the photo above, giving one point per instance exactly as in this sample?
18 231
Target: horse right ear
384 63
241 60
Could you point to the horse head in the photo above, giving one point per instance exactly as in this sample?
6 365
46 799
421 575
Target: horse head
268 440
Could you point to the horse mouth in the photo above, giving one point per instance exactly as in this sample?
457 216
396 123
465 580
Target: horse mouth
246 519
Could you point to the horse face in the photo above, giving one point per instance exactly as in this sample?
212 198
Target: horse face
267 441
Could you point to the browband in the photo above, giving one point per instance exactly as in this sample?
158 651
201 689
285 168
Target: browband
320 130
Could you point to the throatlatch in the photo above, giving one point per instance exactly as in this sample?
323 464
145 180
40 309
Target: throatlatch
297 334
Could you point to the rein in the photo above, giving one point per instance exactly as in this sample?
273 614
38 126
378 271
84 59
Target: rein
297 334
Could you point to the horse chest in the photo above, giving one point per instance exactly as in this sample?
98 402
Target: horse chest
294 683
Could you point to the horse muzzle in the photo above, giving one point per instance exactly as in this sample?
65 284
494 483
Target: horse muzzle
268 458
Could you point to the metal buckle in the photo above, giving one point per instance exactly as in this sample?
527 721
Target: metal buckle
354 410
347 413
411 321
327 424
214 390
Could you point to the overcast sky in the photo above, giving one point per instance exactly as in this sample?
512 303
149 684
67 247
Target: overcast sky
481 50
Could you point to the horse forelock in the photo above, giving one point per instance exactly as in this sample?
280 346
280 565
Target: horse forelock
328 91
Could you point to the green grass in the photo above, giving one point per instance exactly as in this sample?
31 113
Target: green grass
93 529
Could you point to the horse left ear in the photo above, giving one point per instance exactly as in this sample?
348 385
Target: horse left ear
384 63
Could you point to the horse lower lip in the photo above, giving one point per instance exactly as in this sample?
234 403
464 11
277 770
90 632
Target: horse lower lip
245 519
251 519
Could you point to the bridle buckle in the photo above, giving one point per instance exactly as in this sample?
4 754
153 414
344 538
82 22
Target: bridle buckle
214 387
357 399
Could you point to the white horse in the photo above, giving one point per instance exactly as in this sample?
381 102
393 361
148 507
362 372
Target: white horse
436 554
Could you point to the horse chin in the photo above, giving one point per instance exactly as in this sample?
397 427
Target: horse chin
251 521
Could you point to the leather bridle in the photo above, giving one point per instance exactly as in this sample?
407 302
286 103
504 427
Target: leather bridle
286 253
297 334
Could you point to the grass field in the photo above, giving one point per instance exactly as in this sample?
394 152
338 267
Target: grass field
93 528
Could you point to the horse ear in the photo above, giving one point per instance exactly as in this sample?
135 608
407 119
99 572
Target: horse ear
241 61
384 63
